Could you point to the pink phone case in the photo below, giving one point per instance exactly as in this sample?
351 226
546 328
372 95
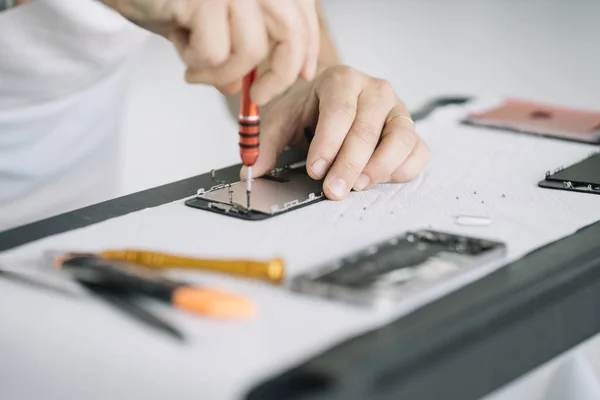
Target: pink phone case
541 119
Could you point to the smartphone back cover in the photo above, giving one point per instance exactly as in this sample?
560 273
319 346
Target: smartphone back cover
540 119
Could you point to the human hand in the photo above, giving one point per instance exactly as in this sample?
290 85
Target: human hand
363 134
220 41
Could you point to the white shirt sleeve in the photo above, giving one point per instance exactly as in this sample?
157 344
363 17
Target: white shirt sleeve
62 77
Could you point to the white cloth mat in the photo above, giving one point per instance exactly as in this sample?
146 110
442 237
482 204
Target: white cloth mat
87 350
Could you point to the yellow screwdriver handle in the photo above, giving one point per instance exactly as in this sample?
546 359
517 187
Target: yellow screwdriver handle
272 271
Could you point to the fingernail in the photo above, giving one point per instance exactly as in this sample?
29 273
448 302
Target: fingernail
361 182
338 188
319 168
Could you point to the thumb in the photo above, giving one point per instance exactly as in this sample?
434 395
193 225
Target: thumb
274 136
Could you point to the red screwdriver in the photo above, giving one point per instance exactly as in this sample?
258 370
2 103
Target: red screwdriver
249 121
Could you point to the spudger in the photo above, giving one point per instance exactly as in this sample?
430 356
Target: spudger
135 280
118 298
125 302
249 124
36 283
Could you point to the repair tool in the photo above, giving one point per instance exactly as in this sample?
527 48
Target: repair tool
272 271
397 268
137 280
281 190
473 220
249 122
35 282
121 299
126 302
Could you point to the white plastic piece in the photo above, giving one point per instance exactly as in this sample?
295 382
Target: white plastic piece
471 220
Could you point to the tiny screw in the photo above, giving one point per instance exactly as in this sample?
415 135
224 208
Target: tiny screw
456 197
503 195
481 201
474 192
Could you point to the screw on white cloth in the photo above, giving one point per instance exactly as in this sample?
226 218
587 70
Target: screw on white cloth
471 220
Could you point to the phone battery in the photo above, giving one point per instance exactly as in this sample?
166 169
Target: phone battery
385 273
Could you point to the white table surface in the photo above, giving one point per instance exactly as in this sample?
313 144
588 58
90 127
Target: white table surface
84 349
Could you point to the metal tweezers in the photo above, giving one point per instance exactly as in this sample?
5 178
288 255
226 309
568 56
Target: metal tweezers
118 298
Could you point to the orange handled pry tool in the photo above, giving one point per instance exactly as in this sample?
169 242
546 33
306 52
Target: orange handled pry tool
132 279
249 121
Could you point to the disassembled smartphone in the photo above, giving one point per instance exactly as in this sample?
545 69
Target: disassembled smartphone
540 119
581 177
399 267
277 192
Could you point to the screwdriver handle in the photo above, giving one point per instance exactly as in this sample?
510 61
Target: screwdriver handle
121 276
249 122
272 271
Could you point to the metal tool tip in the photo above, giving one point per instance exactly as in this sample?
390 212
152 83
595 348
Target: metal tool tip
248 178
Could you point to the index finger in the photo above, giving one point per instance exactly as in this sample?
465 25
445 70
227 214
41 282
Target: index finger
287 28
338 99
208 43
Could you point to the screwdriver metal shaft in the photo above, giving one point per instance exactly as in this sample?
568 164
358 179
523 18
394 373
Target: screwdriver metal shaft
249 122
